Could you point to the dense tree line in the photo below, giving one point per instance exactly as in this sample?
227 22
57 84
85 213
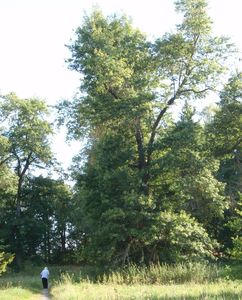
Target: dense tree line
149 187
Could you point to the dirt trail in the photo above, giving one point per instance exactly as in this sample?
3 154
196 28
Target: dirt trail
43 296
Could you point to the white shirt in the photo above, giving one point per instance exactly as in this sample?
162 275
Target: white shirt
45 273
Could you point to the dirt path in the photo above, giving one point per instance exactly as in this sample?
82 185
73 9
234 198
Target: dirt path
45 294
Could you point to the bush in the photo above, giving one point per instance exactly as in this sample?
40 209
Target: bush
5 259
180 238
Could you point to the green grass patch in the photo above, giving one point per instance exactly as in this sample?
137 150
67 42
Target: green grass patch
181 281
163 274
88 291
16 293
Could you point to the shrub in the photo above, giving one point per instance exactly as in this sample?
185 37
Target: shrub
5 259
180 238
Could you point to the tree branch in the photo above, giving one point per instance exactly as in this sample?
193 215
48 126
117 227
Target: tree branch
5 160
111 91
160 115
195 91
27 163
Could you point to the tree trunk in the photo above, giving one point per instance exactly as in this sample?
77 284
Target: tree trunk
142 163
21 170
125 257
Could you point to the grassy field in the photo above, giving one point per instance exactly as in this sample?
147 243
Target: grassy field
163 282
87 291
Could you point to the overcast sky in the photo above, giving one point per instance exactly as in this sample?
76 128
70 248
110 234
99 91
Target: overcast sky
33 34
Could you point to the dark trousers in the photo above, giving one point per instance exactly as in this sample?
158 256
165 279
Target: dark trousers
45 283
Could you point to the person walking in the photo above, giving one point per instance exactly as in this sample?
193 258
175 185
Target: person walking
44 276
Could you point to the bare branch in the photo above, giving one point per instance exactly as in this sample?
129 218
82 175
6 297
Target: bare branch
195 91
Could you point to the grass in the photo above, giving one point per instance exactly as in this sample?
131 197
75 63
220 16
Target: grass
19 286
178 282
88 291
163 274
15 293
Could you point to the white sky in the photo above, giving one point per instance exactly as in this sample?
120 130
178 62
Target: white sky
33 34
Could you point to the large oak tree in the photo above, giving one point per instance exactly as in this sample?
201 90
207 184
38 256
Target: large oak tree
128 85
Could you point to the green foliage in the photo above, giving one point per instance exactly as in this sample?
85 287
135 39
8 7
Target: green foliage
189 171
236 251
117 68
5 259
109 214
179 237
140 169
232 90
224 139
8 180
224 132
4 146
148 189
235 225
46 219
125 75
26 129
196 20
26 132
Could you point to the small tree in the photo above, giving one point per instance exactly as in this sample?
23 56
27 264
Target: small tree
27 132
